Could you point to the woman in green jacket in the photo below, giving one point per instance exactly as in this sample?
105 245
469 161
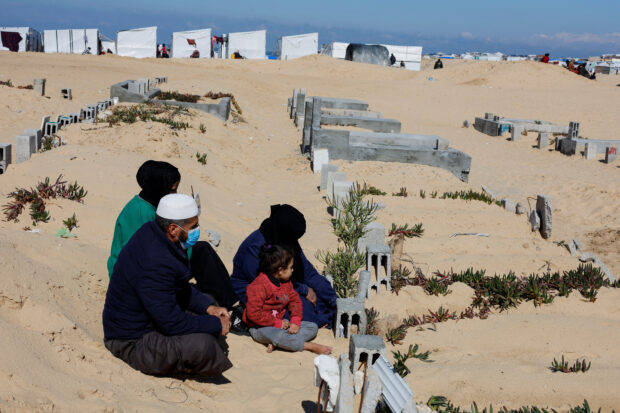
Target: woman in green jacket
156 179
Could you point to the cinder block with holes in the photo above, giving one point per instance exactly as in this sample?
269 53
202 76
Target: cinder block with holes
349 312
66 93
365 349
379 263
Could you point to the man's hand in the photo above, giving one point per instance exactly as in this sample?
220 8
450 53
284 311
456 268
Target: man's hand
218 311
293 329
225 325
285 324
311 296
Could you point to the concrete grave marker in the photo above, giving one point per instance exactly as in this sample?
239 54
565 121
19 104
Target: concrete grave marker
320 157
543 207
591 151
375 235
326 169
611 154
365 349
333 177
25 146
39 86
543 140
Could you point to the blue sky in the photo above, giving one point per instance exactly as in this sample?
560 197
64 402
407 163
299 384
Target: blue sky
563 28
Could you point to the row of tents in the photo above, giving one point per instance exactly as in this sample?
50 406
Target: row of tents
201 43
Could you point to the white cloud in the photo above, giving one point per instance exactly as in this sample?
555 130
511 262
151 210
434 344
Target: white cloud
567 38
467 35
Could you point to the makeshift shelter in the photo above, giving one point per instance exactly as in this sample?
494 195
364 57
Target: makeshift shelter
20 39
410 55
75 41
105 45
335 49
251 45
137 42
185 44
292 47
374 54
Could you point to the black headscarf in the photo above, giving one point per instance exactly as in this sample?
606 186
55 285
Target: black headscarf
285 226
156 180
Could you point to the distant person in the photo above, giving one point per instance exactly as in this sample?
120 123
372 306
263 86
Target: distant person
583 71
545 58
236 55
392 59
270 296
195 54
164 51
438 64
87 51
109 51
402 64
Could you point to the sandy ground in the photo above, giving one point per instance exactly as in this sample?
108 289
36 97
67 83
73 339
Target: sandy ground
52 290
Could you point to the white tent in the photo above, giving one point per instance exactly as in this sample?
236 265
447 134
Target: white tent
251 45
186 43
410 55
335 49
105 45
137 42
30 42
74 41
292 47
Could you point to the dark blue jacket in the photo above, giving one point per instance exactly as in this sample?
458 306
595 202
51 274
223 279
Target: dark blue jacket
245 267
150 291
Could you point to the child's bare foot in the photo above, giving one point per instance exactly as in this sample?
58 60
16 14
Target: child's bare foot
270 348
317 348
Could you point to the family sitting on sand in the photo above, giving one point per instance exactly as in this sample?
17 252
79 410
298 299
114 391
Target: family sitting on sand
158 322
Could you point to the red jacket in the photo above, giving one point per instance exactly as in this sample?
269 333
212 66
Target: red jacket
267 303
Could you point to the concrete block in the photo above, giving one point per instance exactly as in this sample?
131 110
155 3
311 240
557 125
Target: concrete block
64 120
568 146
75 117
291 112
590 257
220 110
333 177
365 349
379 263
571 248
375 235
320 157
534 221
3 166
543 140
349 312
375 125
214 237
326 169
51 128
39 136
44 120
352 112
66 93
406 140
6 154
520 208
341 195
509 205
372 392
487 126
573 130
25 145
488 115
363 281
611 154
115 100
488 192
515 132
577 244
543 207
587 257
300 106
306 136
38 86
344 403
466 124
591 151
337 103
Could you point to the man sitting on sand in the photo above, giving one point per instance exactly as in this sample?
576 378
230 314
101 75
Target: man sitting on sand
153 318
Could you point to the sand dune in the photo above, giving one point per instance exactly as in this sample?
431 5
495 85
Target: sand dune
52 290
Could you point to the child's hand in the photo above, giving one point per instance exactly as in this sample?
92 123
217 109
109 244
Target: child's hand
285 325
293 329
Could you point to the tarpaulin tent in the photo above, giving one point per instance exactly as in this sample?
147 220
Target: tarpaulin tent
26 39
410 55
105 45
292 47
335 49
251 45
75 41
137 42
184 44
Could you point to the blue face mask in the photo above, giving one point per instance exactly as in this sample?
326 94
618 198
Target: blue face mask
192 238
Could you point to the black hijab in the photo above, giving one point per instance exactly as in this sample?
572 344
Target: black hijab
156 180
285 226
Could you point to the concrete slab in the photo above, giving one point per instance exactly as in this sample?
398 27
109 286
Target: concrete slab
543 140
611 154
591 151
543 207
345 401
352 112
338 103
333 177
375 235
25 145
132 91
325 169
38 85
320 157
375 125
39 136
220 110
